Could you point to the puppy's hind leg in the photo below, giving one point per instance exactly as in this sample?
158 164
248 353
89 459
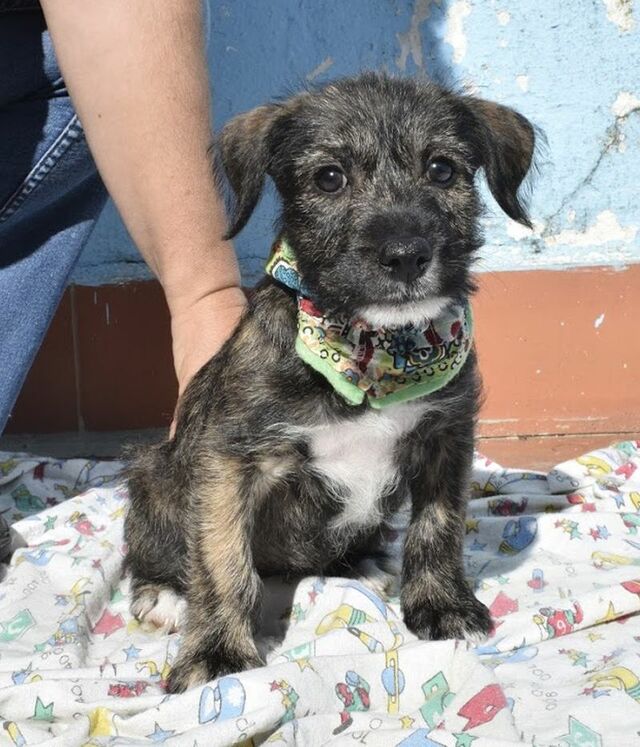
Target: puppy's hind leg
156 539
371 561
381 574
224 587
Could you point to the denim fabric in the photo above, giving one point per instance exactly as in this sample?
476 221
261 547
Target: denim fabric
50 192
10 6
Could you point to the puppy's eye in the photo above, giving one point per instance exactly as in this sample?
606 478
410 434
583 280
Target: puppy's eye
440 171
331 179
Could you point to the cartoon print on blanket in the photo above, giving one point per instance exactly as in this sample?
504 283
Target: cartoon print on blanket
555 557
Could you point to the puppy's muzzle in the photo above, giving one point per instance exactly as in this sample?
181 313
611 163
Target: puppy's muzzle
406 259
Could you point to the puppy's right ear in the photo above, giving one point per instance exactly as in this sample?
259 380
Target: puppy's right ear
245 151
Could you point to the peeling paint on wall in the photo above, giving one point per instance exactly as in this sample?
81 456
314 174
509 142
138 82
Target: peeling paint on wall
321 69
605 229
625 104
519 232
455 34
411 40
620 12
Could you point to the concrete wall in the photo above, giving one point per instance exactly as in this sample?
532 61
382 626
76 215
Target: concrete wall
572 67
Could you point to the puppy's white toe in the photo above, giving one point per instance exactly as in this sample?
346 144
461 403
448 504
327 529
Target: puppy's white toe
143 602
161 609
266 645
381 580
475 638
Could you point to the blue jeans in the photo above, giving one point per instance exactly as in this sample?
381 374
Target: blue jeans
50 192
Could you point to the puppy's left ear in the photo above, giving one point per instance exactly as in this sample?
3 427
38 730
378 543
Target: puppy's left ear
245 151
506 145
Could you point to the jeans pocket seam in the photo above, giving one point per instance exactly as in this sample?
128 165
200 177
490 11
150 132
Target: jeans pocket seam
46 163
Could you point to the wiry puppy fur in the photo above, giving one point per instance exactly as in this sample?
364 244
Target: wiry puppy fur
270 470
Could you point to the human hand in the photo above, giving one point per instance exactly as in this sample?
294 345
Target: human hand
200 328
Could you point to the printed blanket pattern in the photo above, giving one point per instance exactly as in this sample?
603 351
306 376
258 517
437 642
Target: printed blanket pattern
555 557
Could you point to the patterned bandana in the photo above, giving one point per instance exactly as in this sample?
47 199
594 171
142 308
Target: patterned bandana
388 365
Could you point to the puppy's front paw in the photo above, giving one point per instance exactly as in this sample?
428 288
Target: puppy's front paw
467 619
190 672
187 674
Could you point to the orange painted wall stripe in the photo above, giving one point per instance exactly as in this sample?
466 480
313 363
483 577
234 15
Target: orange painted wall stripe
559 353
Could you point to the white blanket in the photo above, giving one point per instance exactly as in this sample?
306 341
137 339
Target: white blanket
555 557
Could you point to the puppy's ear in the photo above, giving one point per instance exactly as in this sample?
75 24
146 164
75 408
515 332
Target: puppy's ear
505 148
244 148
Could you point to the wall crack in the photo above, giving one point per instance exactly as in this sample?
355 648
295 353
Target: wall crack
614 138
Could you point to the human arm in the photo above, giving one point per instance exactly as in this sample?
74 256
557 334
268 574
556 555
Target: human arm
137 74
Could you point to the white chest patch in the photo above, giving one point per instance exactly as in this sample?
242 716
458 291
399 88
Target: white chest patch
359 456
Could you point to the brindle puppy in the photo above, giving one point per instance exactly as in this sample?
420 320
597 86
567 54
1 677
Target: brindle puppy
270 470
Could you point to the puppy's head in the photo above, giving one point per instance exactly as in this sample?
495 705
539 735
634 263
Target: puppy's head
376 177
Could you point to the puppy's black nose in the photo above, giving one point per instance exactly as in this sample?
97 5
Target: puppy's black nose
406 259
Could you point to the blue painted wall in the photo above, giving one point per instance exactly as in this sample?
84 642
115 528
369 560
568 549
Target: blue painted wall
572 67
